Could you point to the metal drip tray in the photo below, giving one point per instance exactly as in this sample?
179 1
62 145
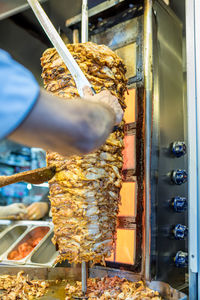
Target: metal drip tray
56 290
166 291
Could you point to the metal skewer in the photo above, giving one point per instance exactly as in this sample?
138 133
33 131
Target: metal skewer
84 277
84 39
84 22
84 282
79 78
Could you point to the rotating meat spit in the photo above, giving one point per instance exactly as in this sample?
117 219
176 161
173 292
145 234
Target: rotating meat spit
78 76
84 281
84 38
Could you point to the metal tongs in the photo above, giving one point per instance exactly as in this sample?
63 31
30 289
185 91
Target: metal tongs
79 78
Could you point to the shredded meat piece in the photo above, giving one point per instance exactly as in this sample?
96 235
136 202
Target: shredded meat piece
84 193
20 287
112 288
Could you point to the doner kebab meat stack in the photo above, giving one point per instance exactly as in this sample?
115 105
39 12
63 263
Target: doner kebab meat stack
84 193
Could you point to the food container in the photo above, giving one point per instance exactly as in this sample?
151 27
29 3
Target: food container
2 228
24 247
45 255
9 237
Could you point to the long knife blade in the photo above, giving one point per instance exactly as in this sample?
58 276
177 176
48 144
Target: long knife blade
79 78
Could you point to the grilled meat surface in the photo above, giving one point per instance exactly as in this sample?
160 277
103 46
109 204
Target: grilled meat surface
112 288
84 193
20 287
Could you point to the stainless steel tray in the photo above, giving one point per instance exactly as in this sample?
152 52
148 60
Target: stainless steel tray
166 291
22 239
47 259
56 290
2 228
9 236
45 255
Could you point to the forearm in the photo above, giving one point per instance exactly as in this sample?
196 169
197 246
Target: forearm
68 127
12 210
4 212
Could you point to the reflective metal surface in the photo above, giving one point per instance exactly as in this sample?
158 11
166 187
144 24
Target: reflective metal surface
119 35
29 234
169 123
46 254
16 233
148 86
60 273
56 290
126 39
84 277
193 100
2 228
93 11
166 291
11 7
78 76
10 236
84 22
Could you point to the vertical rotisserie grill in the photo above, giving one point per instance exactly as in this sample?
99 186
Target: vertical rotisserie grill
84 193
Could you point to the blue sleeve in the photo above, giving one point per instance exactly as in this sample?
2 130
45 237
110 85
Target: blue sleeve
18 93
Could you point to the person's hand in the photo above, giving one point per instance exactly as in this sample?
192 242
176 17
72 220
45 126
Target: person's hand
37 210
16 209
13 211
107 98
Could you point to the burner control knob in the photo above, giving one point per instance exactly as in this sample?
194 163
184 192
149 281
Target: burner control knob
180 232
181 259
179 176
179 204
178 148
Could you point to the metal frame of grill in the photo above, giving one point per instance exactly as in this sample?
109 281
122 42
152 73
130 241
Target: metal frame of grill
152 262
147 30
